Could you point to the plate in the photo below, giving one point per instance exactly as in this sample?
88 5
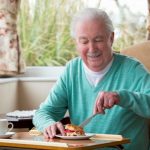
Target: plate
84 137
7 135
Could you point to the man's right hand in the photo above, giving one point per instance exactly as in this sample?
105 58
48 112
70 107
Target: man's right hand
51 131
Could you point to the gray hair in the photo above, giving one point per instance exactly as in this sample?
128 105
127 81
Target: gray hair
91 13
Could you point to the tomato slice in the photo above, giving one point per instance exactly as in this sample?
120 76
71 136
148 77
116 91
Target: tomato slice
68 131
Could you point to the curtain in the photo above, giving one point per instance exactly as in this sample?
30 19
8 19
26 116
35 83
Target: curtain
148 21
11 62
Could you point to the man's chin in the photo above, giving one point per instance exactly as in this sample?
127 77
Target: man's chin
95 68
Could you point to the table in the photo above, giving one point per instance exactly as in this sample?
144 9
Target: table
24 140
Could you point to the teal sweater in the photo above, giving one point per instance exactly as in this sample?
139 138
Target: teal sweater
74 93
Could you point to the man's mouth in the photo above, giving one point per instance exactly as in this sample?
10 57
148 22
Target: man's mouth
93 55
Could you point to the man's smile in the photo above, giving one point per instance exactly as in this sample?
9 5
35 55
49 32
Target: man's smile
94 55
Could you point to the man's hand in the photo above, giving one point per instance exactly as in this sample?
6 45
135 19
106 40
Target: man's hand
105 100
50 131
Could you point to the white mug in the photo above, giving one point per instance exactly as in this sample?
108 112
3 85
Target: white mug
5 126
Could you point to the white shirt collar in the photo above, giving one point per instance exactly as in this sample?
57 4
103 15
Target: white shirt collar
90 72
95 77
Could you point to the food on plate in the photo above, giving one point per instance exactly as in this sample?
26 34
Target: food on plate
74 130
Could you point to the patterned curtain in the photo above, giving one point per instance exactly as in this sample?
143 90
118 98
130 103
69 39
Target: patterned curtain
148 21
11 62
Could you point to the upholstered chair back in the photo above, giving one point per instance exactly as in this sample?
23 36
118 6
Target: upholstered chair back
140 51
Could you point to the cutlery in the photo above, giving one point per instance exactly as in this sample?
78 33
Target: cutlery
85 122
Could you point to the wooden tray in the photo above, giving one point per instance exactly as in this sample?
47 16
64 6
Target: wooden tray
25 140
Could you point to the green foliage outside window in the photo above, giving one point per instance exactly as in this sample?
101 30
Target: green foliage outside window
45 32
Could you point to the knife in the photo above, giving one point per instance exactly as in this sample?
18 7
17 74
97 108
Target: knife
85 122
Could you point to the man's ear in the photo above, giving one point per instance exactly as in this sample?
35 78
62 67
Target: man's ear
112 37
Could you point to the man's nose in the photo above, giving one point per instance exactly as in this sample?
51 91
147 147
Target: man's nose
92 46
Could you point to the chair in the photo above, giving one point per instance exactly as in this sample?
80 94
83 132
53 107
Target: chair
140 51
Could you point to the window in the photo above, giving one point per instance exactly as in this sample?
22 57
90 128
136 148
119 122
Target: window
44 27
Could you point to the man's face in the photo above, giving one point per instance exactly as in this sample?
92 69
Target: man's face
94 44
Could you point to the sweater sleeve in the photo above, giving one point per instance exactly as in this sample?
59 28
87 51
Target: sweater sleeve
53 108
137 99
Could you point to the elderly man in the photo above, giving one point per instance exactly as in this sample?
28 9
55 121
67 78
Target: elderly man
99 81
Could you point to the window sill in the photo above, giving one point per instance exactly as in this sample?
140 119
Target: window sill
37 74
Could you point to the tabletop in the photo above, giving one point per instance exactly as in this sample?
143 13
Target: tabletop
26 140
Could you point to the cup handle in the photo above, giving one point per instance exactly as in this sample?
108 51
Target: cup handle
11 126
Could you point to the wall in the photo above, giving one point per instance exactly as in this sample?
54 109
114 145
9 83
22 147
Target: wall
8 95
28 90
32 93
